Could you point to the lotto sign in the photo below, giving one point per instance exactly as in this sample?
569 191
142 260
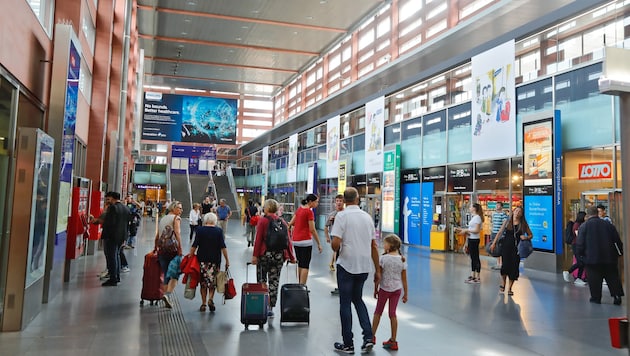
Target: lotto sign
595 170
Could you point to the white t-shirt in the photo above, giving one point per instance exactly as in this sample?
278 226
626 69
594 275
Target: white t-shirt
356 230
194 217
472 225
391 272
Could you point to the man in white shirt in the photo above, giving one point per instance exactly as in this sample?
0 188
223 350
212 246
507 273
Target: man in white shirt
354 239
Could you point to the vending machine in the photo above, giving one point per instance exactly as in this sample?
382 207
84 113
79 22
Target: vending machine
78 220
97 202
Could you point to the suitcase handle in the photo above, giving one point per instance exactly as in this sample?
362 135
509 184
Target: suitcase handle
247 272
297 274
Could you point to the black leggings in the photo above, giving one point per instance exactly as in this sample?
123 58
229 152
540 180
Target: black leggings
473 249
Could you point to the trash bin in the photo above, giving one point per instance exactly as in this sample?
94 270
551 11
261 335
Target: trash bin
618 332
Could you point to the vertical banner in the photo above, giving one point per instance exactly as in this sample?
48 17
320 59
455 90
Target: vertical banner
557 176
342 176
265 170
427 213
494 104
311 179
125 180
411 207
332 147
391 191
374 134
293 157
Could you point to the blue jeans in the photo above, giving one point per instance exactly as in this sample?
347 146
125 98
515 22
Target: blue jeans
111 249
351 291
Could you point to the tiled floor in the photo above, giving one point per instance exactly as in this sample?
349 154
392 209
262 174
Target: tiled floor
444 316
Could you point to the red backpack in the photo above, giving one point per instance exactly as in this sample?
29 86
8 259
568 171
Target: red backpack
253 221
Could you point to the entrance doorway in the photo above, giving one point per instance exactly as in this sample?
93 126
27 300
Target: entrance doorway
610 199
373 207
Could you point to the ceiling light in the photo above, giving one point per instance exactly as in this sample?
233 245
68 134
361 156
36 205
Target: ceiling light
184 33
192 3
188 20
231 50
239 38
309 17
322 2
255 12
244 27
180 46
295 32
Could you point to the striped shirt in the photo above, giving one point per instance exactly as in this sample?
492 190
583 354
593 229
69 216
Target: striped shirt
497 220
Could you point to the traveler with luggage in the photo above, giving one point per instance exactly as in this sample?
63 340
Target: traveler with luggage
304 231
578 264
272 248
168 244
209 244
393 282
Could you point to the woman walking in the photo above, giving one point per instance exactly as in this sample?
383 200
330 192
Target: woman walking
304 231
472 242
195 219
579 264
170 224
516 229
269 263
209 245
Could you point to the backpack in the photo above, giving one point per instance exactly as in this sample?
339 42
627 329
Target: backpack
277 235
253 221
167 242
568 233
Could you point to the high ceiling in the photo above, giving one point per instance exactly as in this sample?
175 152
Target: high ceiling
240 46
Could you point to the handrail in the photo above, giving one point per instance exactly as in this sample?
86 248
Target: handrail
168 183
189 187
212 186
232 184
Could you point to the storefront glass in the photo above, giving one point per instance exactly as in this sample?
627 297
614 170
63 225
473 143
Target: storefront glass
459 134
434 139
531 98
411 134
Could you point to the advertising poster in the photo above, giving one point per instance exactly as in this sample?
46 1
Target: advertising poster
265 169
200 159
391 191
70 113
411 208
460 177
427 213
342 176
374 134
494 103
539 214
311 179
537 151
332 146
293 158
185 118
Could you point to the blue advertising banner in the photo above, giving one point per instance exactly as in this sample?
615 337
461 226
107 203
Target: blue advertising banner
411 217
557 153
183 118
70 114
539 210
427 213
199 158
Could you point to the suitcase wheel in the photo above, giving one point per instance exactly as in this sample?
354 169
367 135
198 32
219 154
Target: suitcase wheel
260 326
141 302
246 326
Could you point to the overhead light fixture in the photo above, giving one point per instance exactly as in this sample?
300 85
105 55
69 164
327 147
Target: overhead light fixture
309 17
157 87
184 33
244 27
192 3
187 20
322 2
191 90
255 12
239 38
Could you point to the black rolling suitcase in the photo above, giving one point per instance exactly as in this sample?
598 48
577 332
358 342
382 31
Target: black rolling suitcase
294 302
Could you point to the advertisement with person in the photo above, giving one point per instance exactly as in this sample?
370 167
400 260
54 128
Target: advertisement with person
293 155
332 146
427 213
411 208
374 134
391 191
184 118
493 103
537 153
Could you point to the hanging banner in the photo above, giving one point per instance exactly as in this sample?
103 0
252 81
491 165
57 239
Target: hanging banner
374 135
293 157
342 176
200 159
332 147
494 104
265 169
391 191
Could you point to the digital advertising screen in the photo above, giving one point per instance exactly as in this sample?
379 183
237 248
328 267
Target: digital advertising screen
539 211
537 153
185 118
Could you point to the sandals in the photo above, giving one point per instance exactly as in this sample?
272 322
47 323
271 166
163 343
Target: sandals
510 293
212 307
332 267
202 308
502 289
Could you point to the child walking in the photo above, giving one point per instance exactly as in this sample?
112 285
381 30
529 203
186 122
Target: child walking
393 282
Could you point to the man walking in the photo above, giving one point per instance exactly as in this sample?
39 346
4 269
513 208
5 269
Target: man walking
223 213
115 230
498 217
354 239
599 245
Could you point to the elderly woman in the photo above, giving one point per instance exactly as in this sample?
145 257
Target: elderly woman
269 263
209 244
173 221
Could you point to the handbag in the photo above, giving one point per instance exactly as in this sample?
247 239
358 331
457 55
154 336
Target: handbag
498 248
230 288
220 281
189 292
525 248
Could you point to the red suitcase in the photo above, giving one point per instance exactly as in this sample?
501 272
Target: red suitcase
151 279
254 303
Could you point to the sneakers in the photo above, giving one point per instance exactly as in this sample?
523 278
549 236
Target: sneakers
125 269
167 303
473 281
617 300
367 346
567 276
340 347
109 283
335 291
579 282
390 344
104 275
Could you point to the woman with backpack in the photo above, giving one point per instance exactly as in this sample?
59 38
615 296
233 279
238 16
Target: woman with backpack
579 265
304 232
168 244
271 250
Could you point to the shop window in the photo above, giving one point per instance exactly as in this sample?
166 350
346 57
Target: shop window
434 138
392 134
43 10
586 114
459 133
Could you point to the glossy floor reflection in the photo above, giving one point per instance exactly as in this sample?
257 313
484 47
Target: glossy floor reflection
444 316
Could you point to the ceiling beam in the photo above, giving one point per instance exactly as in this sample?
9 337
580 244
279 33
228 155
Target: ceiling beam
207 79
239 18
189 61
229 45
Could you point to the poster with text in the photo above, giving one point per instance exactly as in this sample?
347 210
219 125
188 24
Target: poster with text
342 176
494 103
374 135
293 158
391 191
265 169
537 153
184 118
201 159
411 219
427 213
539 214
332 146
